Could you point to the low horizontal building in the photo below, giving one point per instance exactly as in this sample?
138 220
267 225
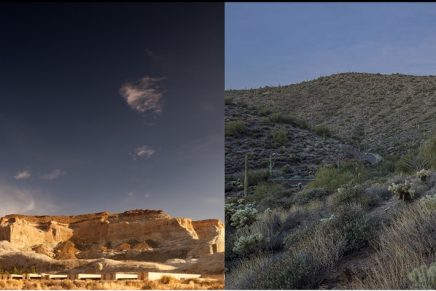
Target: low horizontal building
158 275
120 276
31 276
55 276
82 276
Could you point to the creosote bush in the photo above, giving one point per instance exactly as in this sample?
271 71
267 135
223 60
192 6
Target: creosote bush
279 137
235 128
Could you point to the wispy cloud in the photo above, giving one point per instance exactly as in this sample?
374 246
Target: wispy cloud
144 152
53 174
25 174
144 95
15 200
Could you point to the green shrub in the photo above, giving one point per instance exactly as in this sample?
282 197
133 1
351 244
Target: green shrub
427 152
322 130
331 178
235 128
255 177
411 163
356 227
228 100
244 215
310 194
246 245
267 188
423 277
263 110
352 194
279 137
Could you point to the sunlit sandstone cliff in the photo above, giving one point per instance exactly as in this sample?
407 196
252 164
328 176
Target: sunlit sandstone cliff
146 235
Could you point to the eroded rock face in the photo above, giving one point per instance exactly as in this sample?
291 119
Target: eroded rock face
150 235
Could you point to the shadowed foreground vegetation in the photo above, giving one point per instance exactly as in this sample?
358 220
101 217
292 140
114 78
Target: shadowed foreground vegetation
355 226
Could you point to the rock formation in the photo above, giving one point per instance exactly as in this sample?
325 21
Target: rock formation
143 235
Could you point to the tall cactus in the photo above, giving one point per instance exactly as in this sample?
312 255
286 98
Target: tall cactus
246 176
271 165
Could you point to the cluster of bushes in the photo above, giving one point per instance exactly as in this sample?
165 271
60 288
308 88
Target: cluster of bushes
404 245
309 250
235 128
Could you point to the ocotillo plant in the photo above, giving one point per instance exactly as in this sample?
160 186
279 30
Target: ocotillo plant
246 176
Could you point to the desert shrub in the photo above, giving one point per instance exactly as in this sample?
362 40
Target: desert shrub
427 152
257 176
423 174
304 266
357 228
310 194
228 100
229 241
266 188
254 177
266 234
403 190
167 280
249 244
423 277
331 178
378 192
411 163
404 244
263 110
322 130
352 194
235 128
244 215
279 137
286 119
286 169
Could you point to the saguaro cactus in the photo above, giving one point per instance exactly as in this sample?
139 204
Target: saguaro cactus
271 165
246 176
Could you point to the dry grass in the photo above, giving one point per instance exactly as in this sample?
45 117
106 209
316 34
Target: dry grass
173 284
407 244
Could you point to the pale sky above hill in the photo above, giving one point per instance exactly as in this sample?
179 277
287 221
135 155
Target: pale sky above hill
269 44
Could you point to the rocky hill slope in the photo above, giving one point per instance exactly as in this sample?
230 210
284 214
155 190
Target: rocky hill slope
286 144
389 114
150 236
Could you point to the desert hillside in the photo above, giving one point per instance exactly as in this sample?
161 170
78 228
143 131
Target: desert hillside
330 184
383 113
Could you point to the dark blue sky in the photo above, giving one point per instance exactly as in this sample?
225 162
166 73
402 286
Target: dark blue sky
283 43
112 107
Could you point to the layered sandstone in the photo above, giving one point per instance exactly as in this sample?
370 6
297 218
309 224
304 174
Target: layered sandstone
147 235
